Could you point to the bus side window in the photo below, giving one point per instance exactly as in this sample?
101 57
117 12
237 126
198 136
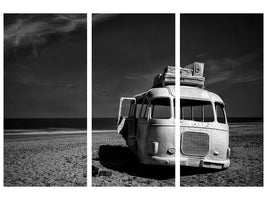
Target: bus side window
144 108
220 113
138 110
138 107
132 109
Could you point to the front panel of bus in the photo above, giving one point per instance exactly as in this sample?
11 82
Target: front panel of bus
204 134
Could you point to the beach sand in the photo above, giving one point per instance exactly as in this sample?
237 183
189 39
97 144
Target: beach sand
246 143
115 165
45 160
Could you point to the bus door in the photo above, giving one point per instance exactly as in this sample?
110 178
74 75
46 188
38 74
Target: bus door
141 131
127 120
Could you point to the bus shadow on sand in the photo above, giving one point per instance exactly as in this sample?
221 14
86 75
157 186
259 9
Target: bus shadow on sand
121 159
189 171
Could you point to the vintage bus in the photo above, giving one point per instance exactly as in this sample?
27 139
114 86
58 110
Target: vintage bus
148 122
204 132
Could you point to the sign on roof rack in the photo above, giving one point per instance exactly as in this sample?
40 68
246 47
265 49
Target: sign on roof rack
167 78
192 75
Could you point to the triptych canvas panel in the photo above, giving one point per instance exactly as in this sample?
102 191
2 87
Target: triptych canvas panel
137 138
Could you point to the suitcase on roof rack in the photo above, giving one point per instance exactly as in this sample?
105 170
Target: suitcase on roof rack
168 78
196 68
192 81
169 69
185 72
192 75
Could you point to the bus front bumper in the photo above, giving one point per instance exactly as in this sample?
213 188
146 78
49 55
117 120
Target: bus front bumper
205 163
156 160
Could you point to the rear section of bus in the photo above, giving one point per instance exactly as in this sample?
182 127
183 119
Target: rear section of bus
156 138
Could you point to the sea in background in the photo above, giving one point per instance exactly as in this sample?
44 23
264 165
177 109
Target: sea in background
104 123
110 123
244 119
31 126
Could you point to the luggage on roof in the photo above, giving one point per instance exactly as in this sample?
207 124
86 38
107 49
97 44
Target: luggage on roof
196 68
192 75
167 78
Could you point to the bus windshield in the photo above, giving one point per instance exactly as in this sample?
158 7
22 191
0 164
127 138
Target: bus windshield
161 108
196 110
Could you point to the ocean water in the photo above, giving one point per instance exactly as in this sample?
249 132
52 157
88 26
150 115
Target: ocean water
44 126
104 123
244 119
43 123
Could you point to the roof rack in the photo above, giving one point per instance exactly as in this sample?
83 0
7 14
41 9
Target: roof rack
167 78
192 75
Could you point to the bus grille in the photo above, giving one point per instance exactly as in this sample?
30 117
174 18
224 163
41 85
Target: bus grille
194 143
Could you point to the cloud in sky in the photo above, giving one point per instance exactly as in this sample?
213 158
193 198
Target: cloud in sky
147 76
29 31
45 65
98 18
243 69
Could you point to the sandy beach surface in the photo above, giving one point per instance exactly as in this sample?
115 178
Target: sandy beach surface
45 160
246 142
114 165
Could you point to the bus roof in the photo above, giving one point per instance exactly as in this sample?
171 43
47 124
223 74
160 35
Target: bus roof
188 92
168 90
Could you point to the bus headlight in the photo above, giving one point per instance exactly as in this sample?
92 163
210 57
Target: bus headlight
228 154
155 147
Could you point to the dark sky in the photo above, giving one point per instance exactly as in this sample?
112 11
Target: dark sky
45 65
231 46
128 51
